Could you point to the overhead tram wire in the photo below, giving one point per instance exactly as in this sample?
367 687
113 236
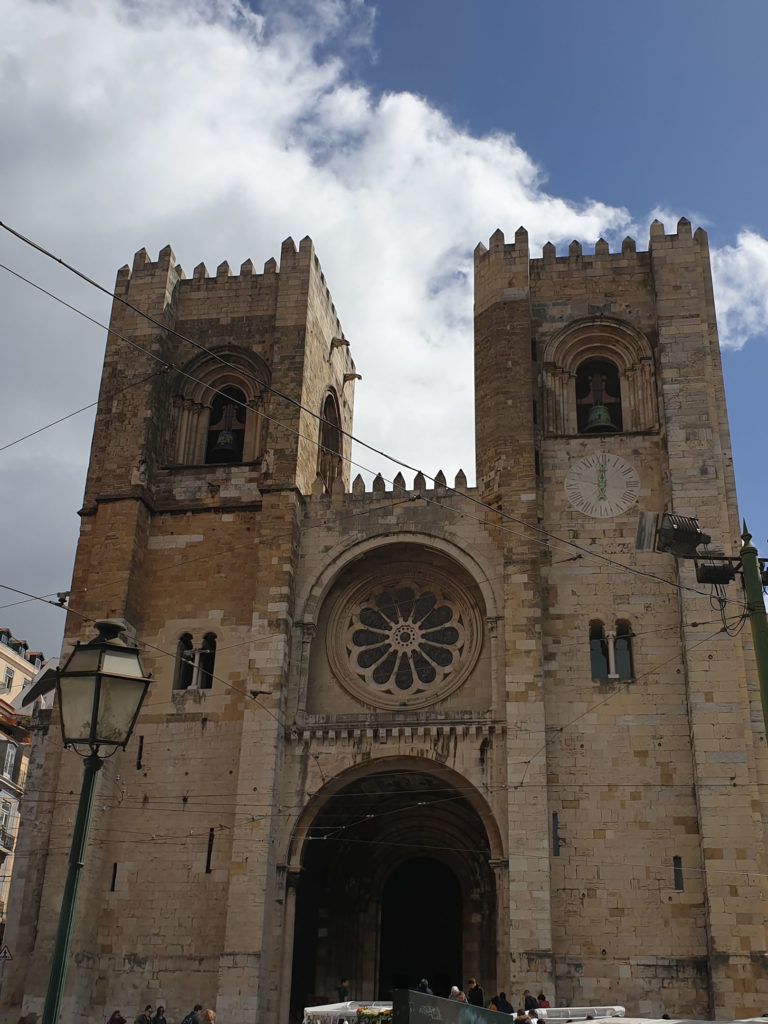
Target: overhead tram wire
317 416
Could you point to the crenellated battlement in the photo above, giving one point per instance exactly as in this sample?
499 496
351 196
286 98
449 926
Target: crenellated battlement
301 262
421 487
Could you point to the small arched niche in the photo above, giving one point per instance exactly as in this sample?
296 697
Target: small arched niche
599 378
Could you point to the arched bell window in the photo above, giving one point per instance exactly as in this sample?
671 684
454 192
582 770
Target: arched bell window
329 457
226 427
598 397
598 378
219 408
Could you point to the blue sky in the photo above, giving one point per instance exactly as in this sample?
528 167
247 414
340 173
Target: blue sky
397 135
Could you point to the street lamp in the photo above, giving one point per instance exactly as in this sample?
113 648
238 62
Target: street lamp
99 691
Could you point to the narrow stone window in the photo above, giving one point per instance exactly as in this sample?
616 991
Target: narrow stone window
113 883
555 837
209 854
598 398
598 650
139 751
185 663
205 661
623 650
677 870
226 427
329 455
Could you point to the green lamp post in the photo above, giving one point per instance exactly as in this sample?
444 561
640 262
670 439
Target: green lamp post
99 691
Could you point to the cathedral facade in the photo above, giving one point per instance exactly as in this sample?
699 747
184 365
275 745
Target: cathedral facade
411 730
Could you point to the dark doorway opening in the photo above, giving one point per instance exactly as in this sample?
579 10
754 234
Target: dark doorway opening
420 928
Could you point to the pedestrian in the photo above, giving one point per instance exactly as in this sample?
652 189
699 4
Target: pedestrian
503 1004
454 993
529 1002
475 994
209 1017
145 1017
543 1001
423 986
116 1018
521 1017
159 1017
194 1016
343 990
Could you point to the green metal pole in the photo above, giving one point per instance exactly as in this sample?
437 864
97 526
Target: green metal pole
91 767
753 589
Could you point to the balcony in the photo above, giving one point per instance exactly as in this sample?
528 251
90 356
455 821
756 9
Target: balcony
6 840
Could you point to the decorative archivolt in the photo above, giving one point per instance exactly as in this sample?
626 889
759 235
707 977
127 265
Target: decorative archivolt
226 369
595 340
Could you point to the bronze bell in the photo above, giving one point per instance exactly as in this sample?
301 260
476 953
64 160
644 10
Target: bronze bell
599 419
225 443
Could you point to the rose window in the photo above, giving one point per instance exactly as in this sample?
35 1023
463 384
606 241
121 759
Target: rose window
406 641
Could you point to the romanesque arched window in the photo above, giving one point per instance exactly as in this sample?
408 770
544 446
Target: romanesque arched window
185 664
598 377
598 651
219 408
623 650
329 452
205 661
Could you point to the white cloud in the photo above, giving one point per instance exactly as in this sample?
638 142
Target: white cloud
740 275
221 131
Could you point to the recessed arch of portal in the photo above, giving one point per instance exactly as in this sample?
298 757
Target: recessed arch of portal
442 779
362 829
401 627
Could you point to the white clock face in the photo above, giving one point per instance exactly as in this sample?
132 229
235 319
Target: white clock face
601 485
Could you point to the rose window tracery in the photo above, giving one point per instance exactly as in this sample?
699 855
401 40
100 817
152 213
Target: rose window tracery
404 640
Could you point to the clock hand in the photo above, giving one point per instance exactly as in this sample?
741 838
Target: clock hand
601 481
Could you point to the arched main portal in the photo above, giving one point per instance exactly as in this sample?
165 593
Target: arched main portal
395 885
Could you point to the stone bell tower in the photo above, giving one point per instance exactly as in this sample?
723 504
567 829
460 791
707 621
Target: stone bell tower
599 396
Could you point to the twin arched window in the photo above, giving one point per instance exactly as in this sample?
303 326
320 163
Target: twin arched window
610 651
194 665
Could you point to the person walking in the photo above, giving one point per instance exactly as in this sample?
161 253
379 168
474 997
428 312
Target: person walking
209 1017
116 1018
194 1016
475 994
423 986
145 1017
159 1017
